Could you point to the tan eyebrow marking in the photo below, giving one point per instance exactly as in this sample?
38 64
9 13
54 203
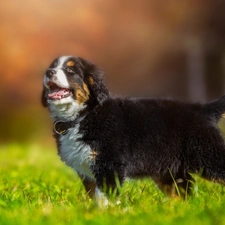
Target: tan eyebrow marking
70 63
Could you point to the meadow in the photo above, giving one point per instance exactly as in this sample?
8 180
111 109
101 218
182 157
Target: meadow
37 188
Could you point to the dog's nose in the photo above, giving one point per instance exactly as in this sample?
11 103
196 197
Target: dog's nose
50 73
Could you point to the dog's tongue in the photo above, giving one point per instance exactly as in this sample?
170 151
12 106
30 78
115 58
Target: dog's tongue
58 94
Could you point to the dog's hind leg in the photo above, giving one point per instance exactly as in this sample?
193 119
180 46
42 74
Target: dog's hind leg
175 187
213 165
206 155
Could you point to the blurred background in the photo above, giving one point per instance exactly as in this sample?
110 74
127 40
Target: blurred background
157 48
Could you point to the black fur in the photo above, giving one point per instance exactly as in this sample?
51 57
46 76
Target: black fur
98 91
165 140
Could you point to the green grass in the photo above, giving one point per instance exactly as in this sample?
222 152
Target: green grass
37 188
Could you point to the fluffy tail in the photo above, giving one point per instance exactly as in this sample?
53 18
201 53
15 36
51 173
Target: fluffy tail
215 109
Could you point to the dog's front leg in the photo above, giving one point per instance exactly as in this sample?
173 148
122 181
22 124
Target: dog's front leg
89 184
109 179
94 192
100 197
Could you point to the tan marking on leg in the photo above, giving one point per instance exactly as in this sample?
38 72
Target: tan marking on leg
89 185
169 190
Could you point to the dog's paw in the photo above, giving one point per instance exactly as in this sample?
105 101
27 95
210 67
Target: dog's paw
101 199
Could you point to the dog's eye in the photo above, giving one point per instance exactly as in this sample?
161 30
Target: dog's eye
69 70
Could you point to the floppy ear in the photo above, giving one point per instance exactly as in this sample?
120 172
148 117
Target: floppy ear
43 98
94 78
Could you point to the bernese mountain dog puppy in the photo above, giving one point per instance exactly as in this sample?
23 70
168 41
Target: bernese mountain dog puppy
107 139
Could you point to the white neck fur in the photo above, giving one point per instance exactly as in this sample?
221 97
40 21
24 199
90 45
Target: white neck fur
65 111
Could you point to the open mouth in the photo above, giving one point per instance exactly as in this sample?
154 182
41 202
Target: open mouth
58 93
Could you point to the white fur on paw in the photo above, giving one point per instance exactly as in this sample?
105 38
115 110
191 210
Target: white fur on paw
101 199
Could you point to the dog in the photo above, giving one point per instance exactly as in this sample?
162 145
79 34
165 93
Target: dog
107 139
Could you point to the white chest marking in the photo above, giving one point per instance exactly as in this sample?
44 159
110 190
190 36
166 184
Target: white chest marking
65 109
75 153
